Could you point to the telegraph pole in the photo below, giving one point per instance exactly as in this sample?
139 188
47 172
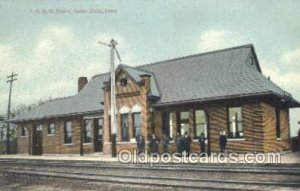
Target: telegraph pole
113 44
113 122
10 80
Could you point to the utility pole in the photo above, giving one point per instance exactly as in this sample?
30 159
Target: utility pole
113 99
10 80
113 121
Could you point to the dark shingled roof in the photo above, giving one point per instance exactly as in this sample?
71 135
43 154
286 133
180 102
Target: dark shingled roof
88 100
221 74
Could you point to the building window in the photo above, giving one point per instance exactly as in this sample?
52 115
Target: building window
87 131
184 122
235 122
99 128
124 125
24 131
137 123
51 129
68 132
171 125
167 122
278 131
123 82
39 127
200 123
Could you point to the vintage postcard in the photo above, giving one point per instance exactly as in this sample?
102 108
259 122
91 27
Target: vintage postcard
149 95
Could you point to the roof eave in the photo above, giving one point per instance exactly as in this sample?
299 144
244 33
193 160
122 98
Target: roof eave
216 98
288 99
292 103
54 116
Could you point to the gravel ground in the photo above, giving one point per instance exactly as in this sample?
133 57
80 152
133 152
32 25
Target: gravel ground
65 185
22 184
179 174
12 186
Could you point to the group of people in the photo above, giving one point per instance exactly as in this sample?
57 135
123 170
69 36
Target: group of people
183 143
153 143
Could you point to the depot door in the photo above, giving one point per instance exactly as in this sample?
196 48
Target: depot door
98 135
37 140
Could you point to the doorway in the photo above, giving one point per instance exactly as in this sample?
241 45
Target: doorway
37 140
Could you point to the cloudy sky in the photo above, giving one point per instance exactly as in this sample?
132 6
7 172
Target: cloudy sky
51 43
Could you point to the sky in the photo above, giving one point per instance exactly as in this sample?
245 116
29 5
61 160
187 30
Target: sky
49 44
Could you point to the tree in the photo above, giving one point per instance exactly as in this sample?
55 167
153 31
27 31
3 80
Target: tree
23 108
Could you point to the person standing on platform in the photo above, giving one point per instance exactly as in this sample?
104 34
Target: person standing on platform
223 142
178 144
165 143
153 144
140 141
187 143
202 140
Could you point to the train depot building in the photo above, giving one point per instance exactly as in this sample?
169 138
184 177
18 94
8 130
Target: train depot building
208 92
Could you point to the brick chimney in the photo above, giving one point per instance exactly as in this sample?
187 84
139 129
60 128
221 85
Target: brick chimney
82 81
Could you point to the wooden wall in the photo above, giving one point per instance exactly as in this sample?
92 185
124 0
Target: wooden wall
270 142
258 127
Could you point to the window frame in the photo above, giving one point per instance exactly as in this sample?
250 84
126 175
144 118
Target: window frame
123 82
66 142
86 139
123 128
24 131
171 126
134 129
195 123
97 124
237 132
39 127
184 121
165 119
49 129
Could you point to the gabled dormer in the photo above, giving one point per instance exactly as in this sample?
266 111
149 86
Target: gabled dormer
131 81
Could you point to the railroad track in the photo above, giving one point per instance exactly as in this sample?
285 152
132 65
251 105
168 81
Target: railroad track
183 183
259 169
228 177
